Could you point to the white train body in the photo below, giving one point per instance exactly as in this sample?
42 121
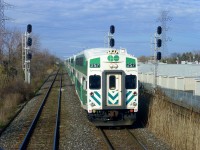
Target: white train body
106 81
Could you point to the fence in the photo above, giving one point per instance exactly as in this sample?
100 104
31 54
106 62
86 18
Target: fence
188 84
182 91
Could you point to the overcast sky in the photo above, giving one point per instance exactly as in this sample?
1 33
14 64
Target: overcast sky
66 27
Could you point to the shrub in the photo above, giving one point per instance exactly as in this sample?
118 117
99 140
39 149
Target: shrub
178 126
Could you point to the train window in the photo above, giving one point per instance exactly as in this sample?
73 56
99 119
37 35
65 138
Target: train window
95 82
112 82
79 61
72 61
131 82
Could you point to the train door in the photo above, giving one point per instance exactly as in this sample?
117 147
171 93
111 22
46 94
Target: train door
114 89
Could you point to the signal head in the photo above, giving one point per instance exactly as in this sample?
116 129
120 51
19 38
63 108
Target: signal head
29 28
112 42
29 41
159 42
29 56
159 56
112 29
159 30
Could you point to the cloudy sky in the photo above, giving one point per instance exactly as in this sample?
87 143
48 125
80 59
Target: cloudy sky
66 27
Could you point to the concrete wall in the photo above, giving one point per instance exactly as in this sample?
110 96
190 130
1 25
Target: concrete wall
189 83
179 83
197 87
173 82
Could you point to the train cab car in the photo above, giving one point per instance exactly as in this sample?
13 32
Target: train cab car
106 81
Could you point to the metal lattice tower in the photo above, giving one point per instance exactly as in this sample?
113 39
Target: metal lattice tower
3 5
164 18
2 18
2 26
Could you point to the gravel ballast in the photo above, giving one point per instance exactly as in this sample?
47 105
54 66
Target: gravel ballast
76 132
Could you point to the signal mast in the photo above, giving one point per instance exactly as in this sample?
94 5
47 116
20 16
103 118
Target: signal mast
157 53
26 54
111 40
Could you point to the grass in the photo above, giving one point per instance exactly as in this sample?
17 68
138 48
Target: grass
8 106
13 92
177 126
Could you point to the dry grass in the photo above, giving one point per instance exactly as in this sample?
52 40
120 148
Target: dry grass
12 94
14 91
176 125
16 85
8 106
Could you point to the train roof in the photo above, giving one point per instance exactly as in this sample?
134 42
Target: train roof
89 53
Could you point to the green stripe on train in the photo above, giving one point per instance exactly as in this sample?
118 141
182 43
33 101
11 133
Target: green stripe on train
130 99
95 99
113 97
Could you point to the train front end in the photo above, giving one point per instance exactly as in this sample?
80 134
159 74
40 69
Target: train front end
112 94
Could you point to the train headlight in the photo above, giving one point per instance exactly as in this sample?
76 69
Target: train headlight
134 104
122 50
92 104
135 93
115 66
111 66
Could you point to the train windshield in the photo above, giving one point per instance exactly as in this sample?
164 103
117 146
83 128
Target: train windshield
131 82
112 82
95 82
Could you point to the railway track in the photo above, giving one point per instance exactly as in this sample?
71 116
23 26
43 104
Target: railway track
22 107
44 130
121 139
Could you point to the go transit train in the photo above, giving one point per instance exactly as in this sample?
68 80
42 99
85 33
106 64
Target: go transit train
106 82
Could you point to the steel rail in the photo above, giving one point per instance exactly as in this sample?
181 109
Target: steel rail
33 124
56 132
110 147
37 90
135 138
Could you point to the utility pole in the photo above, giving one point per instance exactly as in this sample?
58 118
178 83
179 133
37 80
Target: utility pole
26 54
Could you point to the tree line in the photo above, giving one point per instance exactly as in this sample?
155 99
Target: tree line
11 59
175 57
